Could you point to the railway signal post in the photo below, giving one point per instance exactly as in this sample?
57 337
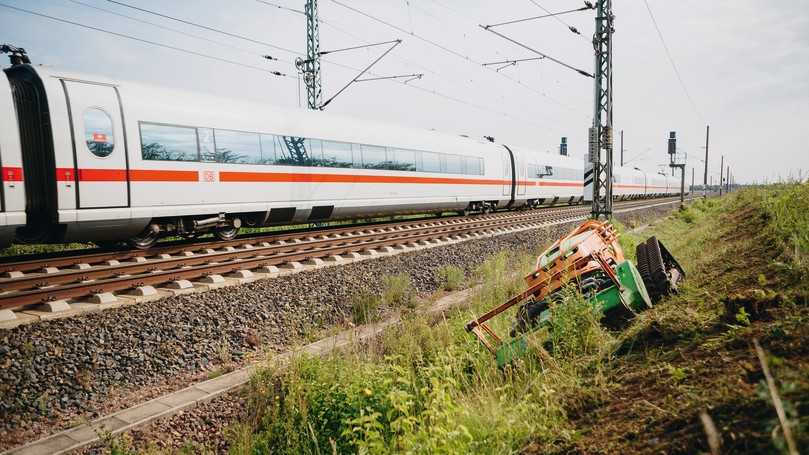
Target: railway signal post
674 164
600 137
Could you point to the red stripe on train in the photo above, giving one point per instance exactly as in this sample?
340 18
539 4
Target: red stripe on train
163 175
230 176
12 174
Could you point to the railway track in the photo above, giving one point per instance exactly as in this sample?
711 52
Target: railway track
140 413
96 275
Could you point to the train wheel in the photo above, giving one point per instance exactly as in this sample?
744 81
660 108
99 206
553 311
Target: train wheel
226 233
144 240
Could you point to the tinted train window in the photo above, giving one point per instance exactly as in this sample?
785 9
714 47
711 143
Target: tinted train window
269 144
337 154
169 143
430 162
292 151
373 157
454 164
405 160
314 150
236 147
207 147
473 165
98 132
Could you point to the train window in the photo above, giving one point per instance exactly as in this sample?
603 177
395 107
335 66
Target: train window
207 146
373 157
337 154
292 151
268 147
430 162
168 143
473 165
454 164
404 160
98 132
236 147
314 149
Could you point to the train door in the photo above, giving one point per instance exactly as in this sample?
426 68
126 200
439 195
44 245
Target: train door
99 146
519 164
507 173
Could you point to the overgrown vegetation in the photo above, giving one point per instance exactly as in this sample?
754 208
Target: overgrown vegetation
450 278
426 386
365 307
397 291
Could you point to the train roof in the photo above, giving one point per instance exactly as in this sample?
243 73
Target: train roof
239 113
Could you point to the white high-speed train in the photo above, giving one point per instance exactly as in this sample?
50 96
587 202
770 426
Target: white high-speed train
89 159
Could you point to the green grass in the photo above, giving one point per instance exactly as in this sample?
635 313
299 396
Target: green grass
450 278
427 386
21 250
365 307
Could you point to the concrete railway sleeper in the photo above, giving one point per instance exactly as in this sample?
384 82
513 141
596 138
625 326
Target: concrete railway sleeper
39 262
78 283
54 286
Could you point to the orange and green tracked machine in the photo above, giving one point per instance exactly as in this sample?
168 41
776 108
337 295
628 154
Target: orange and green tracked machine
590 258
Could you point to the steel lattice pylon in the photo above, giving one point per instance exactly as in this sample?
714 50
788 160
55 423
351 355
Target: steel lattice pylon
311 66
600 155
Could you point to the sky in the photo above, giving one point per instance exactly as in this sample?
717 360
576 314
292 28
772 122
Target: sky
744 67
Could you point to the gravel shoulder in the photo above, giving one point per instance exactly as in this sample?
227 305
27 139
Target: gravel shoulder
58 373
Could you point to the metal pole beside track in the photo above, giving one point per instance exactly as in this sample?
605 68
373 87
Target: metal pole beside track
707 140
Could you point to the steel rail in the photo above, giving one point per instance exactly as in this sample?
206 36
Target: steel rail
27 289
80 283
95 257
66 276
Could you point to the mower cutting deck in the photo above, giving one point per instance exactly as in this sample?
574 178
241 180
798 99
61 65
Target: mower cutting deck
588 258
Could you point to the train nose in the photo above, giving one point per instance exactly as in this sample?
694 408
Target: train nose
12 196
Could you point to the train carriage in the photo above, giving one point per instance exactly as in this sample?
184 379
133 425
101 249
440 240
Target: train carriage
108 161
125 161
548 179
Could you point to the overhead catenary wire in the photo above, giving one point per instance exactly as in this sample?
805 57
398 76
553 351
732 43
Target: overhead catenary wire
322 20
671 60
544 16
225 33
446 49
364 70
282 7
145 41
573 29
409 77
361 46
348 67
502 64
205 27
177 31
337 28
542 54
198 54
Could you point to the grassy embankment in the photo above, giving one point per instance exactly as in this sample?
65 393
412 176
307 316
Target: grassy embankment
426 386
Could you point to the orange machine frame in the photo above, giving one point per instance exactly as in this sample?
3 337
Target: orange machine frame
598 251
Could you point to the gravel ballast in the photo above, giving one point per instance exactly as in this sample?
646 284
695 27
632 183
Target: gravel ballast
56 373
